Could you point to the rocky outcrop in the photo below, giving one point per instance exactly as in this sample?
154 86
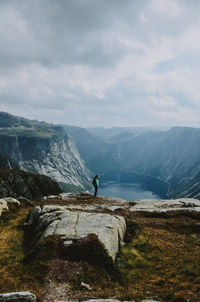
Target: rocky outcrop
86 202
18 297
16 183
72 225
42 148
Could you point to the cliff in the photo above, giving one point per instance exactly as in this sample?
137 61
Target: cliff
42 148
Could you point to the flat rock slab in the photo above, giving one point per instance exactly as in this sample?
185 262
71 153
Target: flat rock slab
165 205
57 220
18 297
85 201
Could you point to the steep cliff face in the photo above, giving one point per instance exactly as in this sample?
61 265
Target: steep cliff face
42 148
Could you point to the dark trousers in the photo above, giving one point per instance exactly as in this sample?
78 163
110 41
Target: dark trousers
95 191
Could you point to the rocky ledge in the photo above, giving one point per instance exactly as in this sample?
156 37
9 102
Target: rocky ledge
85 201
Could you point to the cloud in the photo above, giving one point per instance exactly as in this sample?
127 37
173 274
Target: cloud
101 63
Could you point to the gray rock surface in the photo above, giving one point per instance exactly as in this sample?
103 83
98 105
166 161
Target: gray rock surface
18 297
103 203
57 220
164 205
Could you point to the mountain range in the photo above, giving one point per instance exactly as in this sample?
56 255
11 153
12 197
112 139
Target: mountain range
71 155
172 156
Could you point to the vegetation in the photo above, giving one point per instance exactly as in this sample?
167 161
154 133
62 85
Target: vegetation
160 258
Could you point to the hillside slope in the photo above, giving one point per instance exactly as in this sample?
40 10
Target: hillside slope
16 183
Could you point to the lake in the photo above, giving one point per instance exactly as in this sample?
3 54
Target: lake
130 186
126 191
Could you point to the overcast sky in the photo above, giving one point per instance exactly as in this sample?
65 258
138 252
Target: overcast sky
101 62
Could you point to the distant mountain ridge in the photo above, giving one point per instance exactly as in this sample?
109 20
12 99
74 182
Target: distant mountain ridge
172 156
42 148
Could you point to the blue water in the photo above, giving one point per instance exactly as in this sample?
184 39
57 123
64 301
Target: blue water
126 191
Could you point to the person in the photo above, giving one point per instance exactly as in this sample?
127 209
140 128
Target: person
95 184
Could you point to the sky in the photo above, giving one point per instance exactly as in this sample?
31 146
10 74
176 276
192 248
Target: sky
101 63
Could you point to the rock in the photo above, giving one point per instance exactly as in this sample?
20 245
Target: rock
164 205
6 202
11 200
18 297
3 206
24 200
34 215
85 285
73 225
85 201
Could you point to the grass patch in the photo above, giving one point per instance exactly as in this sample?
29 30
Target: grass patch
22 269
162 261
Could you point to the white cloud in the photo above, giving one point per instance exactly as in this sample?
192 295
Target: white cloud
94 63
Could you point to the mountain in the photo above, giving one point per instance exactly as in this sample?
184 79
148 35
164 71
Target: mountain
172 156
111 134
16 183
93 150
43 148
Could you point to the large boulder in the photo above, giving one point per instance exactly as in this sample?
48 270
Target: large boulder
73 225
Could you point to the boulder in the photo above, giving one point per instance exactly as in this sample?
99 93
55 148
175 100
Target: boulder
73 225
18 297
